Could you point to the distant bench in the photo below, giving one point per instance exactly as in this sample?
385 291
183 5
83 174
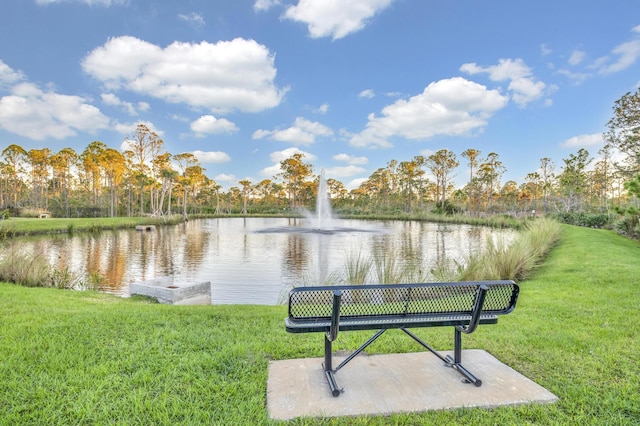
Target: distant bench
463 305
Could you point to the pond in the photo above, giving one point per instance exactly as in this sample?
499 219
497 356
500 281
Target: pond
253 260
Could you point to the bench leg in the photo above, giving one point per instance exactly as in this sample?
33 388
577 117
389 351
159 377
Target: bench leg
328 369
456 361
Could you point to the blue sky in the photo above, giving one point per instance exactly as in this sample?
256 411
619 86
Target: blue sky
352 84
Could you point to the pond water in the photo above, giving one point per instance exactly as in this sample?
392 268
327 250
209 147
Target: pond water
253 260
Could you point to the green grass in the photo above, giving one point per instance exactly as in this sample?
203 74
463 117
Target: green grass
31 226
88 358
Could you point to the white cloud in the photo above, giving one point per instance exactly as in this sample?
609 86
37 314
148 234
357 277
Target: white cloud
582 141
194 19
627 54
303 132
322 109
453 107
335 18
349 159
264 5
223 177
367 93
343 171
524 86
212 156
226 76
30 112
279 156
9 76
355 183
208 124
113 100
129 129
577 56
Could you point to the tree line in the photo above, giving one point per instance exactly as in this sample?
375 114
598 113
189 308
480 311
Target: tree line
144 179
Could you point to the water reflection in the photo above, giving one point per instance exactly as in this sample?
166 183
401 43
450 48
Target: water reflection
244 263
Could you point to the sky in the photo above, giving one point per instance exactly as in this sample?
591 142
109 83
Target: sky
351 84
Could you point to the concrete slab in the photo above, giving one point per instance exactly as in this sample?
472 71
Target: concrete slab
166 290
395 383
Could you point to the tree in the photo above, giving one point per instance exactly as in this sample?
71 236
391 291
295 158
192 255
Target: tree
471 155
114 165
489 174
573 179
294 171
624 131
40 163
441 164
144 147
13 161
547 176
246 191
62 163
190 177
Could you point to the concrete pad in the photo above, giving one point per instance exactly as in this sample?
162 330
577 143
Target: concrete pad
167 291
395 383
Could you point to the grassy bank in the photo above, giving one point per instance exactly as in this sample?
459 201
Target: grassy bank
89 358
16 226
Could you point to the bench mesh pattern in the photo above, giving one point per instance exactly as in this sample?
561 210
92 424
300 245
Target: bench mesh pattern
399 300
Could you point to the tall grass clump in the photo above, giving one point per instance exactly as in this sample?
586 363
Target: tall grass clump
29 271
34 270
500 260
516 260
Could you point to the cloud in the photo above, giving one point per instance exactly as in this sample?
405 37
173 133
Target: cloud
322 109
451 107
33 113
577 56
303 132
333 18
212 156
279 156
194 19
367 93
627 54
344 171
222 77
223 177
582 141
264 5
113 100
524 86
129 129
208 124
9 76
349 159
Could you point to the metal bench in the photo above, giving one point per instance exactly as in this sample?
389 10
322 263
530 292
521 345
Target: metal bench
463 305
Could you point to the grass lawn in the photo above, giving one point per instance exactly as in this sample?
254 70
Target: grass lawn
88 358
29 226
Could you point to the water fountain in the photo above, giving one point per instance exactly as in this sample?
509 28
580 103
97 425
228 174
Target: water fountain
322 222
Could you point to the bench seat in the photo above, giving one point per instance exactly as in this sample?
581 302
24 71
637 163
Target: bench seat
377 323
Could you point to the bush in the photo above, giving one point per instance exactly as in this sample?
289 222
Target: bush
589 220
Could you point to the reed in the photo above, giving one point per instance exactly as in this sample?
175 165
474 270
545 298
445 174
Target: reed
501 260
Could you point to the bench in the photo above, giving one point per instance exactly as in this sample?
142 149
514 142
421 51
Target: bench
462 305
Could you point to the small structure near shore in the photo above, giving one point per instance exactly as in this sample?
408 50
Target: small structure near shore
167 291
145 227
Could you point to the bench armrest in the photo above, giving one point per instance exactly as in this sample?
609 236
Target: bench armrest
332 335
478 303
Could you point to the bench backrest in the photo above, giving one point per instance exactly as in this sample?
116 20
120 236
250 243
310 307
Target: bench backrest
456 298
